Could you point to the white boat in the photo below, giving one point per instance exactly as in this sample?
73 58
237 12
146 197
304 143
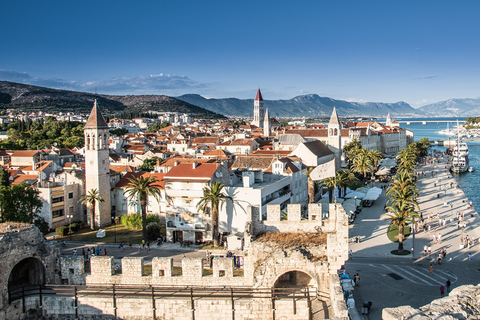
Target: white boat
409 123
460 155
424 122
471 169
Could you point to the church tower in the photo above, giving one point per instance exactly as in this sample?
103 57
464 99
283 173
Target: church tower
335 138
258 110
388 122
267 131
97 164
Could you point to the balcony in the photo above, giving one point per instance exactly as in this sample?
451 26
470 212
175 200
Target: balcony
184 193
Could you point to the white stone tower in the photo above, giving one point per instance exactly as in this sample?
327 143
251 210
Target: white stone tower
97 164
388 122
267 131
335 138
258 110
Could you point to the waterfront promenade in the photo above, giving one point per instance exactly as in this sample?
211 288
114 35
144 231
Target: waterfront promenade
434 200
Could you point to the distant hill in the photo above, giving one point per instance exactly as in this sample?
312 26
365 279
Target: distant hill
311 105
33 98
455 107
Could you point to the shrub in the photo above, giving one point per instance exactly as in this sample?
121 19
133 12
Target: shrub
153 230
75 226
134 221
62 231
41 224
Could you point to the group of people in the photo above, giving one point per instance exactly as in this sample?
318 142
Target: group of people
89 252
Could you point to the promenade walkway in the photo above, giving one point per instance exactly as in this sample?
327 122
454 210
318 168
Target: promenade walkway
438 197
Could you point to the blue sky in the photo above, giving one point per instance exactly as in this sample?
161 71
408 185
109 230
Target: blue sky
387 51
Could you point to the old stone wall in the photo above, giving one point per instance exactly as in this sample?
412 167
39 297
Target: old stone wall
162 272
168 309
72 270
24 241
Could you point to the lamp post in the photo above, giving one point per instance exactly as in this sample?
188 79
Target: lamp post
114 221
69 216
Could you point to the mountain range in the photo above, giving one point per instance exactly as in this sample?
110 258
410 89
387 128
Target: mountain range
310 106
33 98
456 107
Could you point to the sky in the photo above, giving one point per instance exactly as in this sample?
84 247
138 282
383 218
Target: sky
419 52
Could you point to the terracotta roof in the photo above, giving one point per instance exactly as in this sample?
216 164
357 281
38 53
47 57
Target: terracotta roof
216 153
252 162
43 165
69 165
124 181
187 171
238 142
259 95
309 133
205 140
122 168
96 120
25 178
24 153
170 162
270 153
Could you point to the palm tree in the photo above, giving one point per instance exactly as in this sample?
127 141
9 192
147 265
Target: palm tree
351 149
362 164
140 188
90 199
376 156
310 185
331 184
400 214
212 198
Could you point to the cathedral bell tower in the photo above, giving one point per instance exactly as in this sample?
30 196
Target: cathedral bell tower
335 138
258 110
97 164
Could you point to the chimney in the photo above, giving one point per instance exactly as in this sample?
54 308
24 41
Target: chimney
176 163
195 164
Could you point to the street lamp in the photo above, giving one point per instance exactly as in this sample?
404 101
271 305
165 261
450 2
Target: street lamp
69 216
114 221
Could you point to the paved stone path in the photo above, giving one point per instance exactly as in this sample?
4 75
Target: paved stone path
433 199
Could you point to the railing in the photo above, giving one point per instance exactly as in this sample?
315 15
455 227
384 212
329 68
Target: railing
174 292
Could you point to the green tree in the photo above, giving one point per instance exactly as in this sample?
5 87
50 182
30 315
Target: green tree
149 164
140 188
90 200
331 184
345 179
400 214
212 198
350 150
19 203
376 156
362 164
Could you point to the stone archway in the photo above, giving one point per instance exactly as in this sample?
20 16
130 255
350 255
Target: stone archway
295 279
27 272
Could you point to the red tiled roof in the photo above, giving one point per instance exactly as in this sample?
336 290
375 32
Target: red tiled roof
187 171
96 120
259 96
24 153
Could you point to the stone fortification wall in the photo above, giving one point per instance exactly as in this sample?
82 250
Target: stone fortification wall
24 241
58 307
72 270
102 272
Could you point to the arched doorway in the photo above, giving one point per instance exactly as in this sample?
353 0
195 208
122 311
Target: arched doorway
27 272
295 279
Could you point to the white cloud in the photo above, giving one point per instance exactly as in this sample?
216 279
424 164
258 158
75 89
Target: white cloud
122 85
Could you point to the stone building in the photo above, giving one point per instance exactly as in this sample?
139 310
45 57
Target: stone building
97 164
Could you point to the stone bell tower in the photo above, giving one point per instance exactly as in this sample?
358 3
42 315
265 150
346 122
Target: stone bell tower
258 110
97 164
335 138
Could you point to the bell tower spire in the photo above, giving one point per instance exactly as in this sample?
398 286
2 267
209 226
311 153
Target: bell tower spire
97 165
258 110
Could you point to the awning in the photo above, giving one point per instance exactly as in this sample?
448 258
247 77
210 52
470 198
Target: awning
354 194
373 194
382 171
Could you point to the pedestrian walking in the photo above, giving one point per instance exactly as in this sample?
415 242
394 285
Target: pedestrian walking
442 290
431 268
356 278
429 250
425 248
350 255
412 251
448 283
74 252
121 246
469 256
130 245
148 246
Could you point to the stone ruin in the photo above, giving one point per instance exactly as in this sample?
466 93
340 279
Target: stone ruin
462 303
296 252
